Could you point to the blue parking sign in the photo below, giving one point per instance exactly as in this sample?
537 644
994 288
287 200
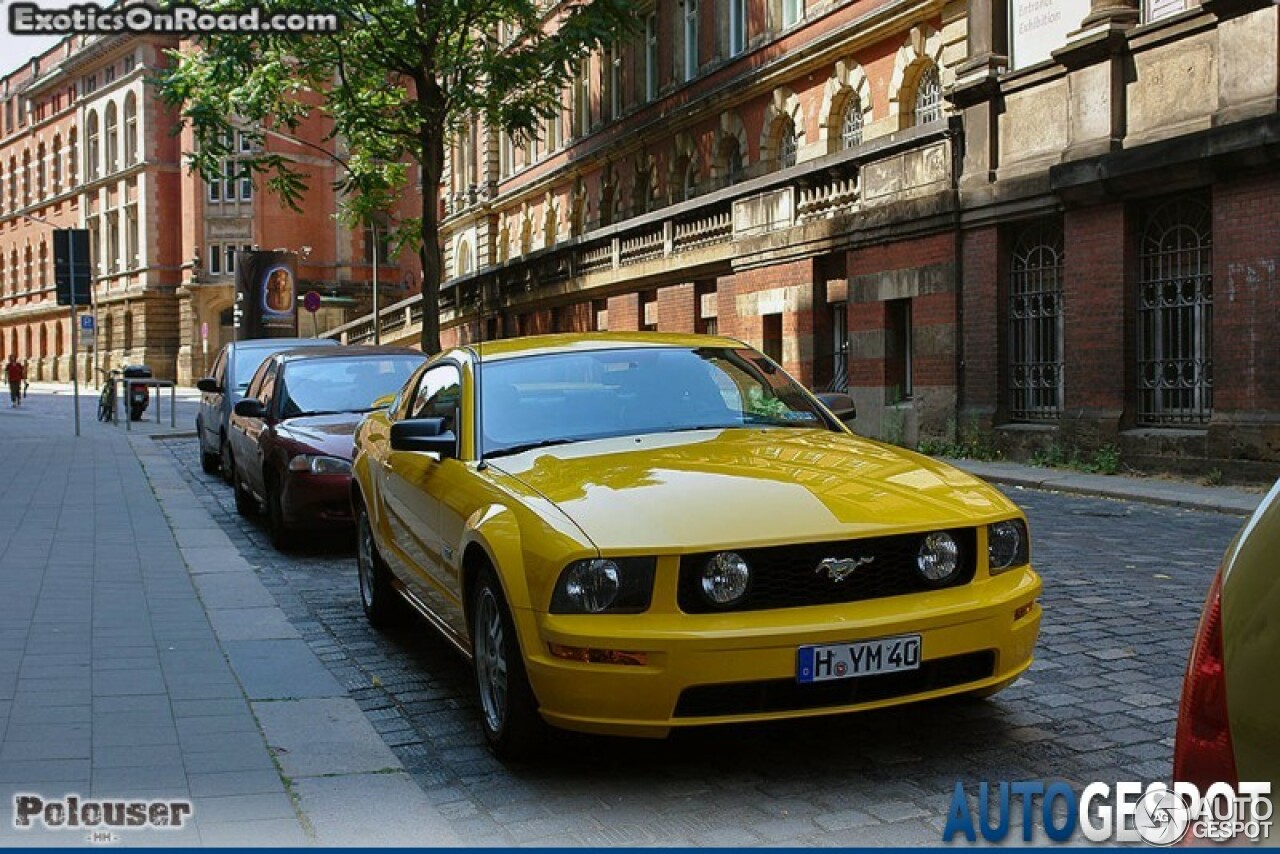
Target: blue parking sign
86 322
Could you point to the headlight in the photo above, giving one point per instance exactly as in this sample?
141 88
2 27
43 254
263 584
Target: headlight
1007 545
939 558
316 464
725 579
600 585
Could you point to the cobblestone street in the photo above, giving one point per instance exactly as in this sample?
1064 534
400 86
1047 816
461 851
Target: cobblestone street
1124 583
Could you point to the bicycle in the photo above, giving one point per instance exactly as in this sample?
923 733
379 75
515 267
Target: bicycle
107 399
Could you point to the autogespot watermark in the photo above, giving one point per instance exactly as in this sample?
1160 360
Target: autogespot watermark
1158 814
29 19
98 818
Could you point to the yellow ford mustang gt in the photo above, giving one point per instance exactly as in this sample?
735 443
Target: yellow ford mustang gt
632 532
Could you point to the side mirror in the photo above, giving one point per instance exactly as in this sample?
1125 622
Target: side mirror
424 434
250 407
840 404
208 385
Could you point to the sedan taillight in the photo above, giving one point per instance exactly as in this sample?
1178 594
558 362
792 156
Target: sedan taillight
1203 753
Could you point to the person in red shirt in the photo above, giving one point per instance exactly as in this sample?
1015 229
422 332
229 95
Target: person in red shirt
15 374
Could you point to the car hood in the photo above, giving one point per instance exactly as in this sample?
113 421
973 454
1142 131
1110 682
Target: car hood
702 490
328 434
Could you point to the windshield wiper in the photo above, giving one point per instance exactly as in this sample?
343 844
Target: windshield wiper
312 412
527 446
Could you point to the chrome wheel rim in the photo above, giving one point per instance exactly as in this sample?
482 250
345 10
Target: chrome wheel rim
364 561
491 660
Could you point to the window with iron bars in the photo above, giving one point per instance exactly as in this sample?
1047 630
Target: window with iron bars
1175 312
928 96
1036 324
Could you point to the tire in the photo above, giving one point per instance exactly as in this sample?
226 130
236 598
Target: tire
209 463
282 536
383 607
228 463
509 715
246 504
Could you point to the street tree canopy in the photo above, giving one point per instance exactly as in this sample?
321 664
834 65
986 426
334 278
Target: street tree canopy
389 88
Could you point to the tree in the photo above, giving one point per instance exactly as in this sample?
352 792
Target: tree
393 84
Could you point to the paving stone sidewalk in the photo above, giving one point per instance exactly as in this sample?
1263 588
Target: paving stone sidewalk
141 657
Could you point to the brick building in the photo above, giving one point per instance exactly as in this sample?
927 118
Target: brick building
1056 222
86 143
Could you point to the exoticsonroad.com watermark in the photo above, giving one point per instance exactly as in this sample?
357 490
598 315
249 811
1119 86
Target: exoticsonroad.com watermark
28 19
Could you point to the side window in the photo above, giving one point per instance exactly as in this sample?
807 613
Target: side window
268 389
219 371
439 395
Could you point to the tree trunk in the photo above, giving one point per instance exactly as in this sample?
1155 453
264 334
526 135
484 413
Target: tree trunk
432 143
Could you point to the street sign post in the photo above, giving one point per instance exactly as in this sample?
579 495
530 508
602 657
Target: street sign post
72 282
311 302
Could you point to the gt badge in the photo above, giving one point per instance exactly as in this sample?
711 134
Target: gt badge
840 568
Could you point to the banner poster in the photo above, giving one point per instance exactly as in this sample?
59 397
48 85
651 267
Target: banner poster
266 294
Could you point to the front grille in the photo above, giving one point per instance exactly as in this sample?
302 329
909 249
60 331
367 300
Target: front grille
788 695
788 576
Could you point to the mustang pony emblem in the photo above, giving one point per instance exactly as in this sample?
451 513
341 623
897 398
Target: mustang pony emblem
840 568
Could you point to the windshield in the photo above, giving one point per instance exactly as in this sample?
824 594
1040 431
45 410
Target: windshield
568 397
339 384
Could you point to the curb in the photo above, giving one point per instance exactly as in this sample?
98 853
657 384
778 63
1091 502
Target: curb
1233 503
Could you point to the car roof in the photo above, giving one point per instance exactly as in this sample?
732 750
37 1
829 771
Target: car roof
347 351
275 344
586 341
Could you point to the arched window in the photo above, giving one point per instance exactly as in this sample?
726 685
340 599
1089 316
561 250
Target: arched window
42 266
1175 313
26 178
44 341
93 163
851 123
110 130
14 203
462 265
690 178
1035 324
128 330
928 96
130 129
41 186
13 274
4 283
786 142
55 164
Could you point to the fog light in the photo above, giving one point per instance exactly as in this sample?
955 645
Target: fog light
725 579
587 655
939 558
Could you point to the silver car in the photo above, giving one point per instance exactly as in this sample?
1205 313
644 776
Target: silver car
236 364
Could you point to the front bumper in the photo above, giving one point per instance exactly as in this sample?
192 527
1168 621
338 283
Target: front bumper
316 500
722 668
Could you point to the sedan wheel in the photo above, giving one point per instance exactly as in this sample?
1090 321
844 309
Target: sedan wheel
508 709
382 605
246 504
282 537
228 463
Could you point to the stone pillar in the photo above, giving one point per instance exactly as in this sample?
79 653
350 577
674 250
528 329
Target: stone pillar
1095 55
976 91
1111 14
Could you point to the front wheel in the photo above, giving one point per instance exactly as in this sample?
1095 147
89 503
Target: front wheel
508 709
246 504
382 605
282 536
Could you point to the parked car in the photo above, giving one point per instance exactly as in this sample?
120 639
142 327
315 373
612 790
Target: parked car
290 436
631 532
234 366
1227 729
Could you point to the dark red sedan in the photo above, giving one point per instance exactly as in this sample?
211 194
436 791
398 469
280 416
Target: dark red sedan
290 438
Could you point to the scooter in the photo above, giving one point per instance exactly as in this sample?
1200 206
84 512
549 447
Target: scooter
139 395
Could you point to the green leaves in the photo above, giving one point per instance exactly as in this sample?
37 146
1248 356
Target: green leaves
382 95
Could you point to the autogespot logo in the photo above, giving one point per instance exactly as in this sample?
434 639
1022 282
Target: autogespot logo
1158 814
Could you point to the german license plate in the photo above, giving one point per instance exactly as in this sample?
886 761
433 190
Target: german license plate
862 658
